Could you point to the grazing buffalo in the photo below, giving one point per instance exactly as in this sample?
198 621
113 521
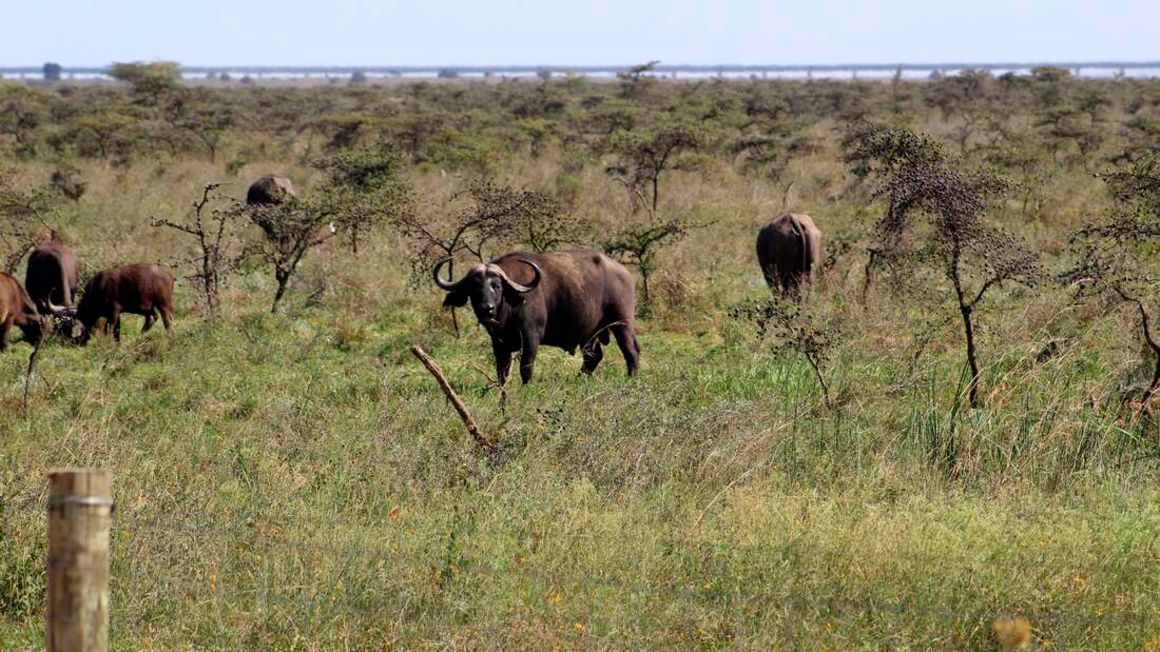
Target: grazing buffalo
51 278
136 289
270 190
568 299
17 309
789 249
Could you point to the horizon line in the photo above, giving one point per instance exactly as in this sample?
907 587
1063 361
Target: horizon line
659 67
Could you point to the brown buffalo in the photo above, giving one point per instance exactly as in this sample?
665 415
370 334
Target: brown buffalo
568 299
17 309
789 249
136 289
270 190
51 278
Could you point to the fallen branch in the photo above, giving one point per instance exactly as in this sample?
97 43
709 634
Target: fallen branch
472 429
28 376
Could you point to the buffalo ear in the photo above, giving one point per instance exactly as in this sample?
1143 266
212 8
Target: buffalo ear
455 300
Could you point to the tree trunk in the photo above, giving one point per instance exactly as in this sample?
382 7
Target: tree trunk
868 282
972 355
1153 345
814 362
283 281
1151 391
454 314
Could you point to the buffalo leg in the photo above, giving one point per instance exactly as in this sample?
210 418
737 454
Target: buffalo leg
503 362
114 322
4 327
805 285
593 354
770 274
528 359
166 317
149 319
629 347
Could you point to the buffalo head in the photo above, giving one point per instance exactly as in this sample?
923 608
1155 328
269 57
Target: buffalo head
488 287
36 329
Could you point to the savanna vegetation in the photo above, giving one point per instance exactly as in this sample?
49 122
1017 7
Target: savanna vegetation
951 445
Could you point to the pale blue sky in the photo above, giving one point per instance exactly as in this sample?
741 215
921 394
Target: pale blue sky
357 32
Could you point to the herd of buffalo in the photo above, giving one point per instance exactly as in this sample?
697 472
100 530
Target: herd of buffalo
575 299
50 285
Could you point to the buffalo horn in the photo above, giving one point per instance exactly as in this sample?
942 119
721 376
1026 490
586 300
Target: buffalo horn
56 310
447 286
522 289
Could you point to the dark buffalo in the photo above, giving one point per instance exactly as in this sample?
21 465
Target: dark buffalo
788 250
17 309
569 299
51 278
270 190
136 289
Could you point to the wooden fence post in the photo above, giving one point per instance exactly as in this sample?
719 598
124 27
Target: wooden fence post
80 509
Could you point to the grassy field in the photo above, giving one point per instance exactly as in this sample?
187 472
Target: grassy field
297 480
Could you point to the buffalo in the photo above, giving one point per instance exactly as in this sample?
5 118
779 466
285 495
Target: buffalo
136 289
51 278
264 196
17 309
270 190
788 250
568 299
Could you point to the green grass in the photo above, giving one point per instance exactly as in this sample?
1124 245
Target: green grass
280 484
298 481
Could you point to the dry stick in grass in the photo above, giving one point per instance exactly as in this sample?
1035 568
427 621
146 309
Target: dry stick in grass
28 377
473 429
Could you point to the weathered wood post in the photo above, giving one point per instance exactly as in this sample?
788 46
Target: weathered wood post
80 509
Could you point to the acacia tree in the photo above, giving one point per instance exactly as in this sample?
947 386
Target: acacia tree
935 221
102 133
208 123
290 230
767 154
1117 255
640 244
66 182
20 117
636 79
517 218
365 189
150 82
494 214
643 155
22 219
52 71
216 235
